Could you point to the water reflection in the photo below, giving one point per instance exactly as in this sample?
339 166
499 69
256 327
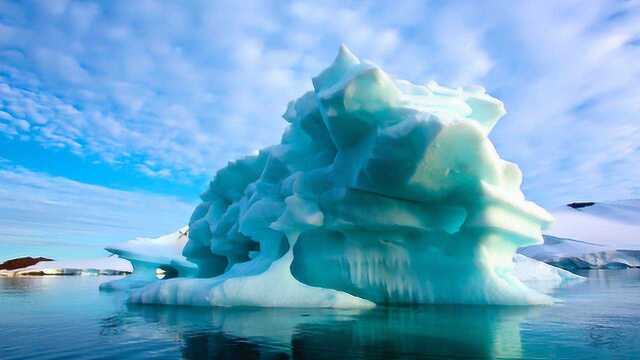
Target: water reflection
23 285
434 331
595 319
15 285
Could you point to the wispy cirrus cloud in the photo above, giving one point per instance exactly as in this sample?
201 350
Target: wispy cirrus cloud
574 126
187 86
42 211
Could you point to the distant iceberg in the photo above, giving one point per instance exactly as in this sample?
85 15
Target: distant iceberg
592 235
380 192
95 266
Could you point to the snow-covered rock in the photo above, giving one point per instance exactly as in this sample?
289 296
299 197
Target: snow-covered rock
592 235
97 266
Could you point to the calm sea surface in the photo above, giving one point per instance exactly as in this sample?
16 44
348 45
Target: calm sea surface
68 318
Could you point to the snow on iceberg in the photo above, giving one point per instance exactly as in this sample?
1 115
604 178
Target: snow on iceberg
380 192
541 276
147 255
592 235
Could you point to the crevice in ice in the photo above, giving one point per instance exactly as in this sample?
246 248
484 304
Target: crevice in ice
166 272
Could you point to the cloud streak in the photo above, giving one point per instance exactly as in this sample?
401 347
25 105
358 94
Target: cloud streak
41 210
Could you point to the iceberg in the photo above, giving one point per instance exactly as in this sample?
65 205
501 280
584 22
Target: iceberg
380 192
148 257
144 252
542 276
592 235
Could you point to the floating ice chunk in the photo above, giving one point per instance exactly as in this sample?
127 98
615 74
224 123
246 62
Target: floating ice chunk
380 192
148 255
542 276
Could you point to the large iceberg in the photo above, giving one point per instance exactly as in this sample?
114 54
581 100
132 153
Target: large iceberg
380 192
164 253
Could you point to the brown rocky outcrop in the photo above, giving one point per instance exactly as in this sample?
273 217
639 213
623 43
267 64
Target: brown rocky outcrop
22 262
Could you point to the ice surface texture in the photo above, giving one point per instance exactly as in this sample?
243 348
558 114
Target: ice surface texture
380 192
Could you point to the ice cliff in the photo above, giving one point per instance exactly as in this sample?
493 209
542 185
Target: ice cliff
380 192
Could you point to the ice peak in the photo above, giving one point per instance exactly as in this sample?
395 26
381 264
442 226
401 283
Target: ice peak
345 56
344 65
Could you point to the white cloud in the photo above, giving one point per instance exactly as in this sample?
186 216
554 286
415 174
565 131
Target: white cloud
147 170
573 125
36 208
193 85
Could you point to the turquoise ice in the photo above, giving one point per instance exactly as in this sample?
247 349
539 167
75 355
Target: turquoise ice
380 192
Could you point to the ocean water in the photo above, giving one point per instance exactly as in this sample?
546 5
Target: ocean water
68 318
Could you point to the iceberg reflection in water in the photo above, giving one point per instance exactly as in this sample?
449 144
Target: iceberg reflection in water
324 333
68 318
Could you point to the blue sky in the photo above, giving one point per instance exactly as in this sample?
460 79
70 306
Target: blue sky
114 115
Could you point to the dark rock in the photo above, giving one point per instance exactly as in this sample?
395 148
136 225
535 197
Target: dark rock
581 204
22 262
